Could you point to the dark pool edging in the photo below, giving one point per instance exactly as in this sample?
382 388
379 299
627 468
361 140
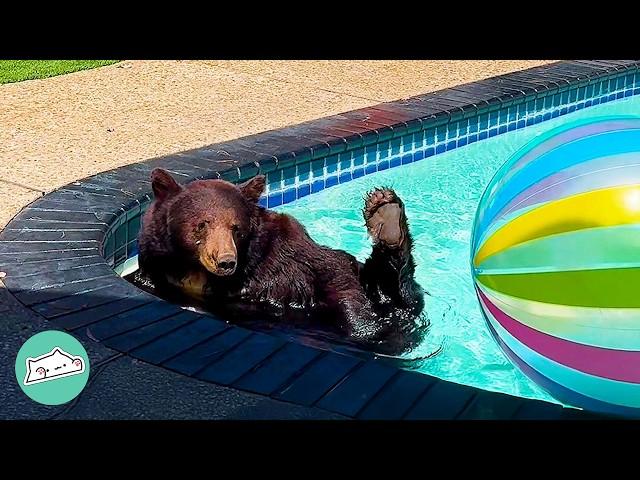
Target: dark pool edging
59 252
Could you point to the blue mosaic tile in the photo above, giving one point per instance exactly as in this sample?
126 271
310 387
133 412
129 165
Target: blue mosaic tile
581 93
429 152
369 153
629 80
303 172
359 157
451 145
483 122
452 130
384 149
395 146
289 195
132 249
304 190
573 95
441 133
463 128
358 172
331 164
345 164
274 200
358 160
589 91
482 135
440 148
317 169
345 177
317 186
289 176
493 119
371 168
473 125
462 142
418 155
502 129
274 181
612 84
330 181
120 256
407 142
597 87
548 101
408 158
429 137
383 165
133 227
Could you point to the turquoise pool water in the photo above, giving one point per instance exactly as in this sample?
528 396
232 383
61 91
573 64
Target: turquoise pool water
441 194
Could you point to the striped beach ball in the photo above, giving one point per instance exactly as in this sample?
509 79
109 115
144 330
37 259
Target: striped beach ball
555 259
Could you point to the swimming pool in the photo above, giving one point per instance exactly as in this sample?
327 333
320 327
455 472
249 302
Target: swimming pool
66 253
441 194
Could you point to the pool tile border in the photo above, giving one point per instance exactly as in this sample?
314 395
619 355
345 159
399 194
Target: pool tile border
60 251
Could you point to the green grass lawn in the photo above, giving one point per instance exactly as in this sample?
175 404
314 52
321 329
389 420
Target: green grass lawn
18 70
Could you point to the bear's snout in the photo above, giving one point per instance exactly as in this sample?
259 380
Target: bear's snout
217 251
221 265
226 265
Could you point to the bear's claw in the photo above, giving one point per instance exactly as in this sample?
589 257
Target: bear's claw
385 218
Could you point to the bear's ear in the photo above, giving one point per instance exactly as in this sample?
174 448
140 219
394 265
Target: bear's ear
163 184
252 189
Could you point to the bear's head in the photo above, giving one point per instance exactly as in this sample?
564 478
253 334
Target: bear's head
209 221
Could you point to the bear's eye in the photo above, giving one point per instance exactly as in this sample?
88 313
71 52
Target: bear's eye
201 226
235 228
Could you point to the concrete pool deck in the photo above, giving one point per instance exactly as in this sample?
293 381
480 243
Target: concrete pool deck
65 128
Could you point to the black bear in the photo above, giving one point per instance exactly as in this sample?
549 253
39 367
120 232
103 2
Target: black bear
211 241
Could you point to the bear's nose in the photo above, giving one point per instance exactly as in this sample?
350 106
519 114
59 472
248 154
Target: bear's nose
227 262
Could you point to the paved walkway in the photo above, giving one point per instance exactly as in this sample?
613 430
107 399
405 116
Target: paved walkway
57 130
